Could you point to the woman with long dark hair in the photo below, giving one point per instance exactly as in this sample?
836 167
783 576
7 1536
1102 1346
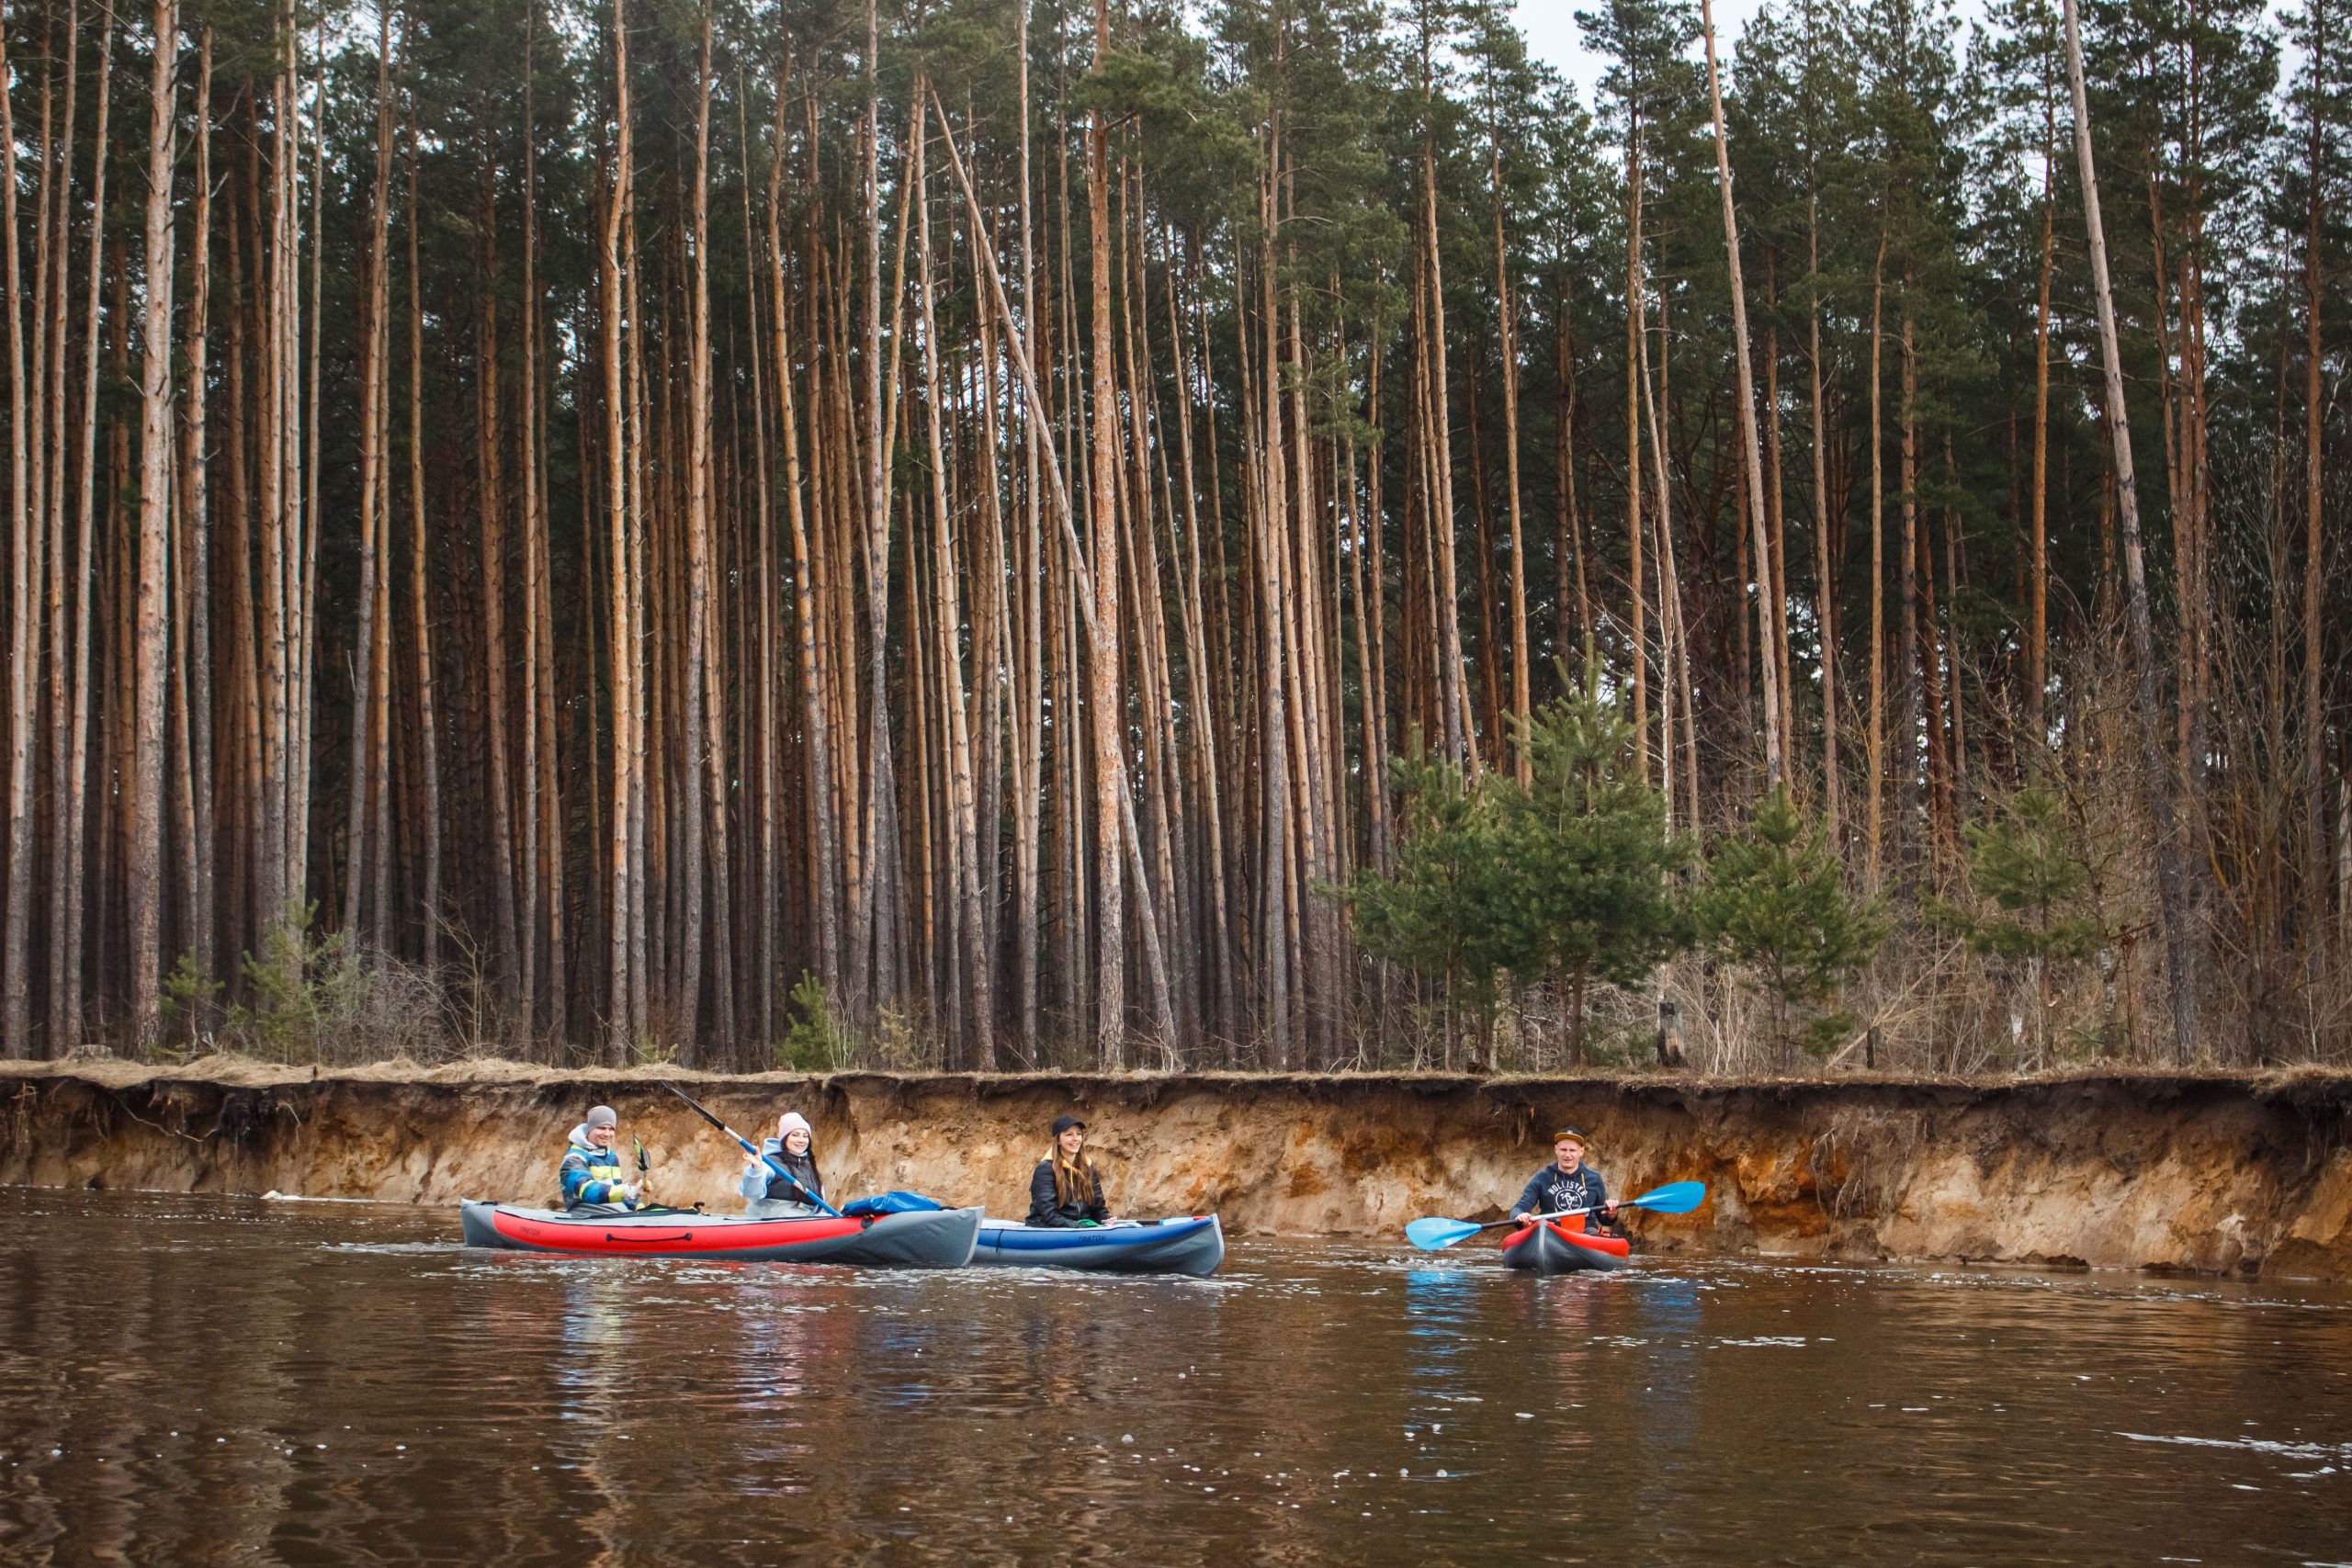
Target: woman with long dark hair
1066 1189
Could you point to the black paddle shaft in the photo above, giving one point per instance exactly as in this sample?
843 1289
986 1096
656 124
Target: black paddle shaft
694 1105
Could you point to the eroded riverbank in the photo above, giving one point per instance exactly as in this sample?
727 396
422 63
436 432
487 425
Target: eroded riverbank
2208 1174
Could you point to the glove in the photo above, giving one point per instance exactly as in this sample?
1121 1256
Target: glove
631 1190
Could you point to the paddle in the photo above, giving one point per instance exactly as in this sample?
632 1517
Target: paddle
753 1150
1434 1235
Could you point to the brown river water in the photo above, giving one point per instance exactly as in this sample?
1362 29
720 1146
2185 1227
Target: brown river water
199 1379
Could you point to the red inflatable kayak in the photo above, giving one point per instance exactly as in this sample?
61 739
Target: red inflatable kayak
1553 1248
941 1239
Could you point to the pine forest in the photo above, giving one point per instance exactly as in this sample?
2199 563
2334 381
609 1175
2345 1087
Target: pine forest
1244 533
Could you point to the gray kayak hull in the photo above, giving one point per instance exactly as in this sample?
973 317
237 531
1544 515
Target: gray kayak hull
1552 1248
938 1238
1193 1244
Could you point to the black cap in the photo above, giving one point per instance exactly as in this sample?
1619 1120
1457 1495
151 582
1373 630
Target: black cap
1065 1122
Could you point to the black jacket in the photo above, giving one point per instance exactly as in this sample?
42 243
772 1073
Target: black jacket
1551 1190
778 1188
1046 1207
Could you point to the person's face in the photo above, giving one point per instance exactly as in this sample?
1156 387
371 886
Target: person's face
603 1137
1569 1153
797 1141
1072 1140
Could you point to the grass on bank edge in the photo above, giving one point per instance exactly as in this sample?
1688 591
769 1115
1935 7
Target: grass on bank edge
242 1071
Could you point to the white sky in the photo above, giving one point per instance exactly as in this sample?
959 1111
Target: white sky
1550 28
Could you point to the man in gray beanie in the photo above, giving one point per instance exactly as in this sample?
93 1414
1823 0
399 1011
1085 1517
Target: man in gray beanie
591 1173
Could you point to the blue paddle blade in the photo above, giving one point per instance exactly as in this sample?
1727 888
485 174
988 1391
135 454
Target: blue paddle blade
1431 1234
1674 1197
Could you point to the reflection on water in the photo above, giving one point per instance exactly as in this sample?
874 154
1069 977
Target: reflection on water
211 1380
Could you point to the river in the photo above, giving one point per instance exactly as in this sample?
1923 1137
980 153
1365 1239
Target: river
201 1379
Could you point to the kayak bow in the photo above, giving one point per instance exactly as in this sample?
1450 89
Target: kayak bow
1552 1247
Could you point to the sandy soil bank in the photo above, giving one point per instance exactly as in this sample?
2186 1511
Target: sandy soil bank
2208 1174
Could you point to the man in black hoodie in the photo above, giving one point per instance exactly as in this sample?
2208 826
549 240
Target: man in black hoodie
1566 1184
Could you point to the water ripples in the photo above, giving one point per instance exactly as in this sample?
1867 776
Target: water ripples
214 1380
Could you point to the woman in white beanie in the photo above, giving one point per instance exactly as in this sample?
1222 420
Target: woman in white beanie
795 1188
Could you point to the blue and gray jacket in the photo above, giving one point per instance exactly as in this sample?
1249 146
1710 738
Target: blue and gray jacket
1551 1190
592 1176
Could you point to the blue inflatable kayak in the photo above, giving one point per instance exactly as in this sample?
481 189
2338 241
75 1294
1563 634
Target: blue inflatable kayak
1191 1246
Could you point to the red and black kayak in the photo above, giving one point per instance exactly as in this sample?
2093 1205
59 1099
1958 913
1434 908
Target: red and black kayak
1560 1246
934 1238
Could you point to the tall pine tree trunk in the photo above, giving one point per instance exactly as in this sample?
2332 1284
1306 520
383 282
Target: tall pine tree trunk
195 546
428 766
154 576
1769 613
2038 566
2171 875
1824 574
371 388
817 741
1874 835
975 1005
490 443
706 688
1636 323
625 984
1907 632
72 812
2314 760
1105 701
15 920
1507 309
1029 759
